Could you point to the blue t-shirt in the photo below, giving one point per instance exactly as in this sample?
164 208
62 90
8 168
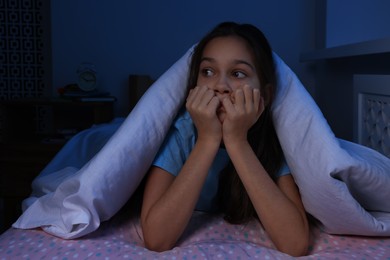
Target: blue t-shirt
177 147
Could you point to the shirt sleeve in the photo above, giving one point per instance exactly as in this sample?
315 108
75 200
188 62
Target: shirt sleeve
177 146
284 169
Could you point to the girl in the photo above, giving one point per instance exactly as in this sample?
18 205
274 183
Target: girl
222 153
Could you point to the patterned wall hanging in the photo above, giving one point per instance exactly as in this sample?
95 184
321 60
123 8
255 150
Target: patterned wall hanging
24 50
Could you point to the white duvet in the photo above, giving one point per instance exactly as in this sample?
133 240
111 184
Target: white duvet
343 185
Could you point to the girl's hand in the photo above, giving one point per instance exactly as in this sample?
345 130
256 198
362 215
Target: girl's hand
202 104
241 113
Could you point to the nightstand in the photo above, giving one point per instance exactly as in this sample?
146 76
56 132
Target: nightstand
32 132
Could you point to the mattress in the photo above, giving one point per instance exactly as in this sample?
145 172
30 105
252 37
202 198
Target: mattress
207 237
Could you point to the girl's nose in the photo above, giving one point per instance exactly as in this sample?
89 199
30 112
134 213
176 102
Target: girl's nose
222 86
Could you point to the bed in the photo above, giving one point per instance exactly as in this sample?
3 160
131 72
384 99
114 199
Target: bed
207 237
85 203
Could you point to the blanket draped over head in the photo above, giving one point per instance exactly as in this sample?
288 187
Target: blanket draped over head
345 186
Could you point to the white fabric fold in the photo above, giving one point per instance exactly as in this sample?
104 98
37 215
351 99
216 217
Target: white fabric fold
85 198
344 185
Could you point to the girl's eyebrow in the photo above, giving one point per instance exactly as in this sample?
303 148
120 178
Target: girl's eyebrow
237 62
207 59
244 62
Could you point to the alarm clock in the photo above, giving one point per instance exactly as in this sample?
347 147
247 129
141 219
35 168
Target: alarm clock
87 77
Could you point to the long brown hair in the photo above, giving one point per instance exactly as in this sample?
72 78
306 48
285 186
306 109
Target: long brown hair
233 198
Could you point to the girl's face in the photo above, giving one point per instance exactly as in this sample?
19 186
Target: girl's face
227 64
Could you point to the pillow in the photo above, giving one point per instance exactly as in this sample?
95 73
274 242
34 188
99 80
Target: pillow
343 185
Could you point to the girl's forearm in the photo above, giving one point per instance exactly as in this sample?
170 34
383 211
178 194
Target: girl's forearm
166 220
284 222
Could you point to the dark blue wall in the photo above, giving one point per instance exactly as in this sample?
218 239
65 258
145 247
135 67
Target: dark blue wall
147 37
351 21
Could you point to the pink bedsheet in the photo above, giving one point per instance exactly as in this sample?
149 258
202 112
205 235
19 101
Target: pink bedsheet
207 237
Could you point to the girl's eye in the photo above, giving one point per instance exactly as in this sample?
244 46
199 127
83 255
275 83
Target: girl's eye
207 72
239 74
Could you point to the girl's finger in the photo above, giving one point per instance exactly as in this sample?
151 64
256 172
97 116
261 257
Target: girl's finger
256 98
205 96
192 94
214 103
239 98
228 105
196 95
248 95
